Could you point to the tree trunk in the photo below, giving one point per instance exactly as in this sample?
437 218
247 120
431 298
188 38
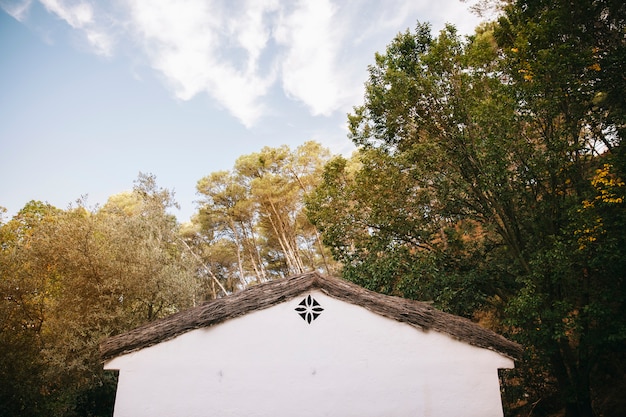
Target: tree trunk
573 382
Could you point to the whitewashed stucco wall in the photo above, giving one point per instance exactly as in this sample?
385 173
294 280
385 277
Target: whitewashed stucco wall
347 362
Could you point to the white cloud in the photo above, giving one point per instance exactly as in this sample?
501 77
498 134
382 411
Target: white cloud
76 15
317 51
329 45
80 15
101 41
18 10
309 71
251 30
196 45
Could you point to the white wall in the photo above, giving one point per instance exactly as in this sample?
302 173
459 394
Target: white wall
348 362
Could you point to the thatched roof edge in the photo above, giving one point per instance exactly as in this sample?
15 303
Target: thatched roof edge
259 297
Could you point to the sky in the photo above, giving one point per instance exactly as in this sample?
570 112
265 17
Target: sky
94 92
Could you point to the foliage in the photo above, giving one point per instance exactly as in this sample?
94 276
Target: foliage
489 178
389 240
251 224
70 278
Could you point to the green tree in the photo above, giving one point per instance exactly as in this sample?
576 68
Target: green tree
434 182
227 219
278 179
379 218
567 62
257 212
71 278
475 167
22 308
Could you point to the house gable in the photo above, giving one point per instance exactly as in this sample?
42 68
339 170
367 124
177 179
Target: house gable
413 313
348 361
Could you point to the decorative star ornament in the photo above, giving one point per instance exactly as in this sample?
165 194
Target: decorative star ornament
309 309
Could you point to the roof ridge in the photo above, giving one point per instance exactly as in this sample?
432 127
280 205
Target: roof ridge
258 297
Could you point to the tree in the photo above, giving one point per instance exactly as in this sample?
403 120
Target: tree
257 211
567 64
423 130
227 215
479 166
22 308
70 278
379 219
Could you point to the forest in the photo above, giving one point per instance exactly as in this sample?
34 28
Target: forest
488 179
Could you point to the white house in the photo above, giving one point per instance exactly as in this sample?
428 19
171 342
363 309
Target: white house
309 346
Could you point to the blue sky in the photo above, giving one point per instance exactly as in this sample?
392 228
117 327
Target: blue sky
94 92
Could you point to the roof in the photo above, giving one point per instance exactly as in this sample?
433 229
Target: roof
262 296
